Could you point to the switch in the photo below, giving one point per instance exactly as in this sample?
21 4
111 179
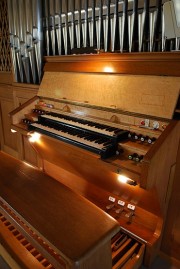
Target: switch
155 125
120 202
151 140
119 210
130 206
111 199
110 206
130 214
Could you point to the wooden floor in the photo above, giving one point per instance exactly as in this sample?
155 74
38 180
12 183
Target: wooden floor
157 264
3 264
160 263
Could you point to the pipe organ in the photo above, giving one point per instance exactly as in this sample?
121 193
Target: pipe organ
104 126
107 143
58 27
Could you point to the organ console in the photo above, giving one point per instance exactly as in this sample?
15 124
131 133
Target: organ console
92 206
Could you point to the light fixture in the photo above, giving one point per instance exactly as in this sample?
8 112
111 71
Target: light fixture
13 131
34 137
108 69
127 180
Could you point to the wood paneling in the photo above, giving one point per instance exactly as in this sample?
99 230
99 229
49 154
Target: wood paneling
11 96
171 236
29 153
121 92
6 77
8 139
159 160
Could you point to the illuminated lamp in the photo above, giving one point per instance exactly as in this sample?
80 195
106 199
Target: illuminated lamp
127 180
34 137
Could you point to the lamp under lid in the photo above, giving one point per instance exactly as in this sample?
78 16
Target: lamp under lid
34 137
124 179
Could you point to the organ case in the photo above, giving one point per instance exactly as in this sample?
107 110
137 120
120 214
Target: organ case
140 104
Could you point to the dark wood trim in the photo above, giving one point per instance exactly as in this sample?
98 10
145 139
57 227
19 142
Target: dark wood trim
156 63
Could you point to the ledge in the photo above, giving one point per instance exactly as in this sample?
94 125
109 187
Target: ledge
156 63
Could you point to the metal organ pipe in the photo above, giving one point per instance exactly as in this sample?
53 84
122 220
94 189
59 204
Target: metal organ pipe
38 35
25 27
105 20
104 25
58 26
113 23
142 24
11 38
52 25
84 25
122 22
98 22
64 20
71 8
77 18
91 22
78 25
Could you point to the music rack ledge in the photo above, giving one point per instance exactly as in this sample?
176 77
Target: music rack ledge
155 63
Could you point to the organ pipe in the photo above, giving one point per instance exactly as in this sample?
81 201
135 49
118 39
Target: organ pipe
62 27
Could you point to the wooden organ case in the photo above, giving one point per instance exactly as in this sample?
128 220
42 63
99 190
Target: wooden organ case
102 119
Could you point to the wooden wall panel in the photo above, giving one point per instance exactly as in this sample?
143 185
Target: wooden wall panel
29 153
12 96
8 139
171 236
6 77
